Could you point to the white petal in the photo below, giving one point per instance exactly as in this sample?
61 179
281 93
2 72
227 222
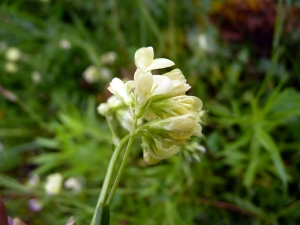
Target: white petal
176 74
103 109
114 102
160 63
129 85
143 57
118 88
165 150
144 82
161 84
148 158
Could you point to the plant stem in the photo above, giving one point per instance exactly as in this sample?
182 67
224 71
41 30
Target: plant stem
103 193
116 139
126 154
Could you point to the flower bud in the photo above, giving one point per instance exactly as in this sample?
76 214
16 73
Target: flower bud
112 105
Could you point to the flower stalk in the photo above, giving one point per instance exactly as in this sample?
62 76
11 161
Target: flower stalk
107 180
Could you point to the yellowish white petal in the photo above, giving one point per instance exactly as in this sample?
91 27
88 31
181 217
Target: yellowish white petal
143 85
118 88
161 85
160 63
143 58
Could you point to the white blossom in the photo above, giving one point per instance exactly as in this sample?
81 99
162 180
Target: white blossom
65 44
73 184
144 60
91 74
13 54
53 184
10 67
36 77
108 58
121 90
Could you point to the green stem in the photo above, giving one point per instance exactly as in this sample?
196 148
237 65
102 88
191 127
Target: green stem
115 136
103 193
125 158
277 50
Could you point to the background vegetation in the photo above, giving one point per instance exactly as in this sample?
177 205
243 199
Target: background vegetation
240 57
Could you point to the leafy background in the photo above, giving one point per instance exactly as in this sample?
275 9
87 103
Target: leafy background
240 57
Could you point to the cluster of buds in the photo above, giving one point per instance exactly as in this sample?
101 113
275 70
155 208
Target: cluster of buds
170 117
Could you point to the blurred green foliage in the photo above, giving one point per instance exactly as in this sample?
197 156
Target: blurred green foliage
249 174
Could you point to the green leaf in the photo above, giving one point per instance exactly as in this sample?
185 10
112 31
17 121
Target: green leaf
285 104
103 215
218 109
254 162
269 144
11 183
47 142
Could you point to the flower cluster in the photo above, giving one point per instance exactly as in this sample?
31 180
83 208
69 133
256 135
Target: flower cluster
171 117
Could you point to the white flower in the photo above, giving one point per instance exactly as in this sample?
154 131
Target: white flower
53 184
125 118
177 129
105 73
65 44
10 67
36 77
73 184
112 104
144 60
122 90
202 40
13 54
91 74
154 149
182 127
108 58
174 106
147 85
180 87
163 138
172 116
